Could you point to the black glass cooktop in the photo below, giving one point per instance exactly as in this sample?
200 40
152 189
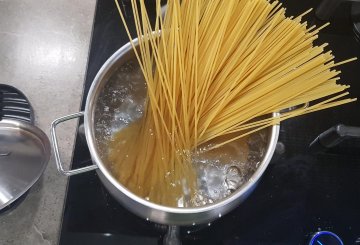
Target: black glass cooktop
300 193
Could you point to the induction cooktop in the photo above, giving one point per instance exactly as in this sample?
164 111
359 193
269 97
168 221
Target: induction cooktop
303 197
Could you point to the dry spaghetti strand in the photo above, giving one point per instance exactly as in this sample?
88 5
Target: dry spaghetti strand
216 68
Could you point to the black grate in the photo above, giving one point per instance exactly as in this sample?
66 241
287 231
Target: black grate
14 105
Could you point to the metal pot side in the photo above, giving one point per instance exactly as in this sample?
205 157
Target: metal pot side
141 207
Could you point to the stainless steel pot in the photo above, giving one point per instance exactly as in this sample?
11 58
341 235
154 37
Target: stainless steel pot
138 205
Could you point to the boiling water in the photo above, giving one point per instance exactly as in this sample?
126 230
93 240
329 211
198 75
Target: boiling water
121 102
220 172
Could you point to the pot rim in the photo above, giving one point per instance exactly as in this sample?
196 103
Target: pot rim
90 138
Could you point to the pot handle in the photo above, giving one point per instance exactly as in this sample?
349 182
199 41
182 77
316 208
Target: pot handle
59 164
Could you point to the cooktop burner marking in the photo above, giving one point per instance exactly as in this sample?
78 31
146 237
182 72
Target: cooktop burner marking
319 242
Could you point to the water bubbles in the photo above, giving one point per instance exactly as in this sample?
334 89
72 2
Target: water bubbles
200 199
121 102
108 132
147 219
193 224
220 215
233 178
147 198
209 224
188 232
222 171
180 202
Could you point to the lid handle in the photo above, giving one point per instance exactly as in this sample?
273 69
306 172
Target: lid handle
59 164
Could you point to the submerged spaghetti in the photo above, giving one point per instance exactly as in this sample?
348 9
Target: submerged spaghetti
216 68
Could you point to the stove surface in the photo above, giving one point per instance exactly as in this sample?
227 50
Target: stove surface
300 193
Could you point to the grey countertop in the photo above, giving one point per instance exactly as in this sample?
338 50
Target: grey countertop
43 52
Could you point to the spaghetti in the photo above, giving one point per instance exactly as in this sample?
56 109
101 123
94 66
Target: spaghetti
216 68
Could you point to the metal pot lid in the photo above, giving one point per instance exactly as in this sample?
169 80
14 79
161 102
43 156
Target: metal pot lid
24 154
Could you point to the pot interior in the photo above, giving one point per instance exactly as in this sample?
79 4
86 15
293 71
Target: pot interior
120 100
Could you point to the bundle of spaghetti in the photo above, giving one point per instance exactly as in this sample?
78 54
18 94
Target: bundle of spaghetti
216 68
